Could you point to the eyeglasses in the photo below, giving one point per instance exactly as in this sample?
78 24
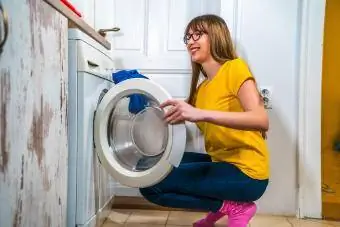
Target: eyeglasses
195 36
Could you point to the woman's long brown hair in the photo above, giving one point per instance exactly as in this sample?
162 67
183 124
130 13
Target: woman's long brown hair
221 48
221 45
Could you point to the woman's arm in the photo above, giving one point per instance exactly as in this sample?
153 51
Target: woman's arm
254 116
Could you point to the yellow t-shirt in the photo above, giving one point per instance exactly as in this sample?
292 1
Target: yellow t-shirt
245 149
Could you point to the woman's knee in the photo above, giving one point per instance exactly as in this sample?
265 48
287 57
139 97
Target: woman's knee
257 191
151 194
146 192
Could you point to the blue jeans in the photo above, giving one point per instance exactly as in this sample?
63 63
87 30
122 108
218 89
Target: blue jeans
198 183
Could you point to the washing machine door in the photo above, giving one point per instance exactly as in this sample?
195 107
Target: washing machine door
133 142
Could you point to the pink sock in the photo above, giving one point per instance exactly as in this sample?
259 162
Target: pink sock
239 214
209 220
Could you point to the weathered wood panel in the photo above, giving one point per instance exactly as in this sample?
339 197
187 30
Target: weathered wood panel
33 117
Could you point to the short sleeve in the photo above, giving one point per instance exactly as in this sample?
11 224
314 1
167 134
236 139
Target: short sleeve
239 73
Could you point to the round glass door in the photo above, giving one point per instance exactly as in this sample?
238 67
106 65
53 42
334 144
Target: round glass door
134 143
137 139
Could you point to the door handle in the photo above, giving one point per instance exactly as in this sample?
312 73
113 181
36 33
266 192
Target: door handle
92 64
103 32
5 25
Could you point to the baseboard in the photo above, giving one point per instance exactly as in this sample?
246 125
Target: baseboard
104 212
126 191
136 202
130 198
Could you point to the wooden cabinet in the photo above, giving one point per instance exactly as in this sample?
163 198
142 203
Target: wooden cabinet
33 116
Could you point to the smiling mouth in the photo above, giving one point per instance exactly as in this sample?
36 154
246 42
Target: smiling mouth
194 49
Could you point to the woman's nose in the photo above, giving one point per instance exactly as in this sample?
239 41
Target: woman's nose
190 41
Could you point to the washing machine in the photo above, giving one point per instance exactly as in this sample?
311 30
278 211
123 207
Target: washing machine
117 133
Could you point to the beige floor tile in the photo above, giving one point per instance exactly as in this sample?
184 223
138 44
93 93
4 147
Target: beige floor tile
270 221
148 217
181 218
111 224
311 223
178 226
142 225
119 216
333 223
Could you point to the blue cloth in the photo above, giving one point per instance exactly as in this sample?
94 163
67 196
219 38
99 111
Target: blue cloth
198 183
137 101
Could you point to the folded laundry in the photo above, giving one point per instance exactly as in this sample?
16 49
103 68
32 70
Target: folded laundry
138 102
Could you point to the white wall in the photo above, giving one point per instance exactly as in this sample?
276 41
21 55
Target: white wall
267 36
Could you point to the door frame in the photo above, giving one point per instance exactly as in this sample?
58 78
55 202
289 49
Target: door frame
309 112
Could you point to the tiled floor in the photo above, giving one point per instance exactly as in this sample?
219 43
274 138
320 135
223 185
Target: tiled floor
153 218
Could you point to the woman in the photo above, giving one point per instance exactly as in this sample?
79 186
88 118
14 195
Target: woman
229 111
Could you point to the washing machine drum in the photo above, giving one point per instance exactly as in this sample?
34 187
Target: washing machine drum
133 141
138 139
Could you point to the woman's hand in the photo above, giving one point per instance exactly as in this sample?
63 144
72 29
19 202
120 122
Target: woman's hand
181 111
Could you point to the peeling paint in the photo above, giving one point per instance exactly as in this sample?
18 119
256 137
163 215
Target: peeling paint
36 141
41 18
39 129
47 17
5 88
22 63
62 99
62 80
46 181
32 5
47 220
41 46
61 95
60 43
22 172
18 214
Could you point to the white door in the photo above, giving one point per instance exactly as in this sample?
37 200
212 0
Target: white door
150 40
134 143
151 31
